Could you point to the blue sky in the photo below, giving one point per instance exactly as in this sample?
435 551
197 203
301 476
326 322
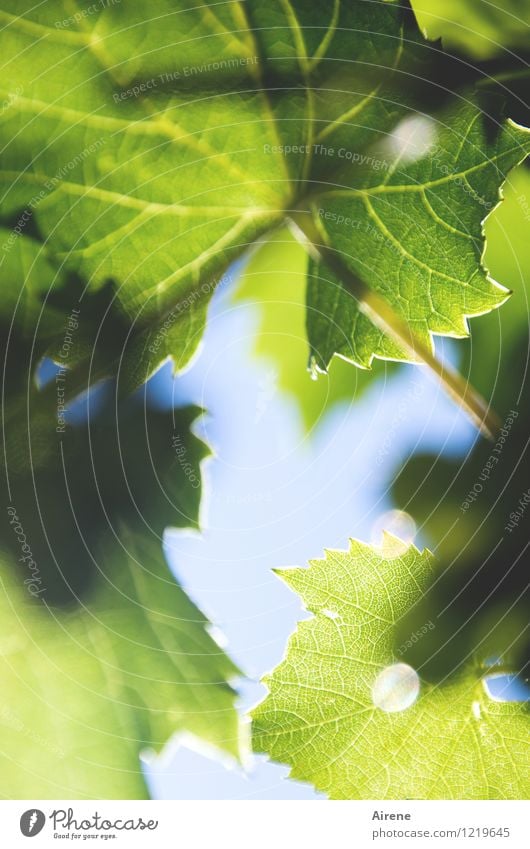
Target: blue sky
277 496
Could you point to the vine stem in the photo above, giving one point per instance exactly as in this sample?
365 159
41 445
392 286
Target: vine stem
380 313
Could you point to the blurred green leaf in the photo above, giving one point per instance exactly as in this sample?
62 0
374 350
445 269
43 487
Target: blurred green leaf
495 337
464 507
103 654
85 691
480 28
274 279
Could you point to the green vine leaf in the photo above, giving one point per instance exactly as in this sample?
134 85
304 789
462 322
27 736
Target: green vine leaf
416 236
453 742
133 173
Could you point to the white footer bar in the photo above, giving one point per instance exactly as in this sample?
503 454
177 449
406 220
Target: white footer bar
266 824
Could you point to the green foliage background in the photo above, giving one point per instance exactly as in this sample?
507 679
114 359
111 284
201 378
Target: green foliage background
129 187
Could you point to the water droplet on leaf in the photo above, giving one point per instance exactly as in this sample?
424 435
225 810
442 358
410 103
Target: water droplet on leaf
400 525
396 688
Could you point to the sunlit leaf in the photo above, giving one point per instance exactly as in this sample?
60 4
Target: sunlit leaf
354 734
133 173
